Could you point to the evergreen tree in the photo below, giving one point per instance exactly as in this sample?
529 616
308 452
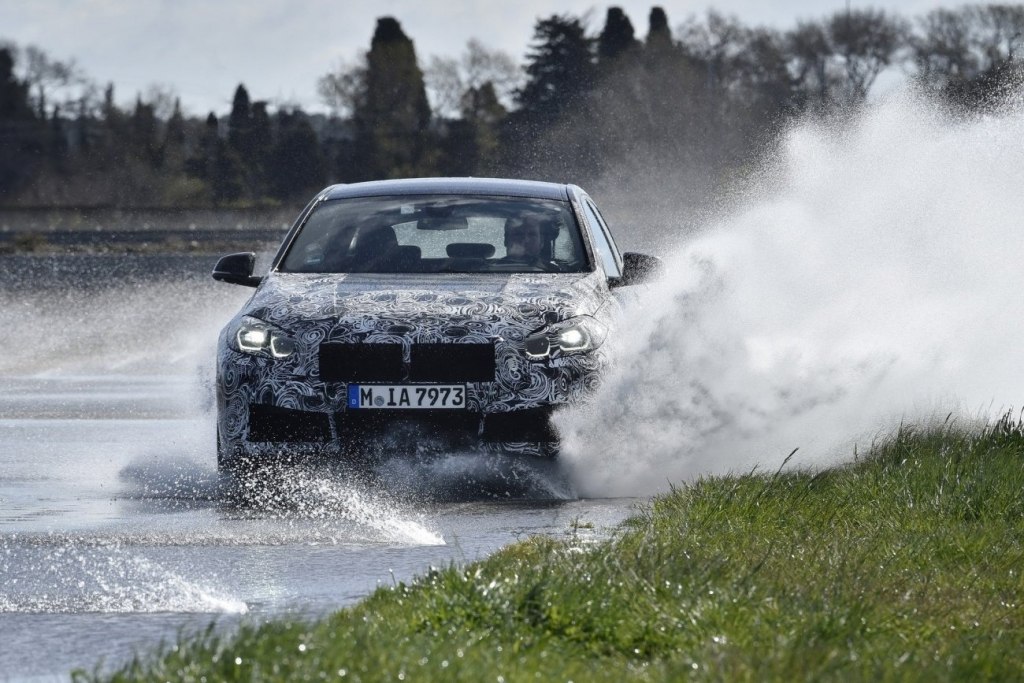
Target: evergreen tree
249 139
262 139
296 160
617 38
57 143
471 145
83 129
14 100
559 70
175 137
200 164
659 37
226 174
112 149
240 123
392 115
216 164
145 140
21 132
560 74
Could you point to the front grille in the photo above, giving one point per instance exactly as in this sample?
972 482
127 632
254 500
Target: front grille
361 362
451 363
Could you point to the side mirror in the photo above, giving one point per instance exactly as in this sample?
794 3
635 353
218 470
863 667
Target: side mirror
237 269
637 269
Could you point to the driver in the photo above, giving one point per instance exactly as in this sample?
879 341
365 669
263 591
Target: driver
525 241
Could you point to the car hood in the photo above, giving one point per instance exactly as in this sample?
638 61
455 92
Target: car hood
365 304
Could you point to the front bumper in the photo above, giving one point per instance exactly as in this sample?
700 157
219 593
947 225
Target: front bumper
268 406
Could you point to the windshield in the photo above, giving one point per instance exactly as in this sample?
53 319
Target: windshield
435 234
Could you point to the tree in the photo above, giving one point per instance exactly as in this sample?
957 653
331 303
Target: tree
20 130
969 55
342 90
296 162
261 141
450 80
617 39
144 135
659 36
716 44
14 100
559 69
57 142
867 41
240 123
50 79
392 115
216 164
810 64
472 145
175 136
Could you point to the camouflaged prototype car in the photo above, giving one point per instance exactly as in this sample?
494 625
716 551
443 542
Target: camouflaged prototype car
405 315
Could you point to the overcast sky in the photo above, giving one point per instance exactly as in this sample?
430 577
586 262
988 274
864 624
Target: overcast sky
203 49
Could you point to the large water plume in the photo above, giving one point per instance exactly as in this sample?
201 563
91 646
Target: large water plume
872 274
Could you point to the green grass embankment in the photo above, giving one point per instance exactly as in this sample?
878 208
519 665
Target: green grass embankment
905 565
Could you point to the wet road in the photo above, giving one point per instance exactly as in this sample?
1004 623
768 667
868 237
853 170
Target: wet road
116 532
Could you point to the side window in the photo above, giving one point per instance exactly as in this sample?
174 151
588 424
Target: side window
606 251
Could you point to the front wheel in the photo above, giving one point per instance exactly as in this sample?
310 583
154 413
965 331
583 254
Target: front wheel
229 461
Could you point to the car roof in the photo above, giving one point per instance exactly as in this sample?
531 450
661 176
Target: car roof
460 186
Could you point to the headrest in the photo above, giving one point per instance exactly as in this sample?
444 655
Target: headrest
375 238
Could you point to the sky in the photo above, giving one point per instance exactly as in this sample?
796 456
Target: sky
202 49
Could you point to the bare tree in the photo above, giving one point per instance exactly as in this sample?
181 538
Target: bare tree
867 41
1002 30
956 50
449 79
163 98
445 85
717 43
51 80
944 48
810 63
342 89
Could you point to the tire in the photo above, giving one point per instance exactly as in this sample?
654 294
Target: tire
229 461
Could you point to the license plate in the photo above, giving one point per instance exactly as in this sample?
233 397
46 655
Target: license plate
407 396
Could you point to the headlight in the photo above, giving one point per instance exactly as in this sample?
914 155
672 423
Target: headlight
575 335
255 336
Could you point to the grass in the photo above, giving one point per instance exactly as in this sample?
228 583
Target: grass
905 565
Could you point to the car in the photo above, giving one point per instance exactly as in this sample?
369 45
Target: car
403 317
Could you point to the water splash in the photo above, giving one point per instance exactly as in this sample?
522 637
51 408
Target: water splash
474 476
153 328
329 495
72 577
873 274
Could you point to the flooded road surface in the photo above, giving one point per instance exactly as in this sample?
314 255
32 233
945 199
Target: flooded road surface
116 534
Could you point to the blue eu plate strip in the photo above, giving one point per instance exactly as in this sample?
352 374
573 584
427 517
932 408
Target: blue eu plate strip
353 395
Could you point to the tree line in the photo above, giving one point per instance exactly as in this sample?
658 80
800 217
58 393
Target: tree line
694 105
